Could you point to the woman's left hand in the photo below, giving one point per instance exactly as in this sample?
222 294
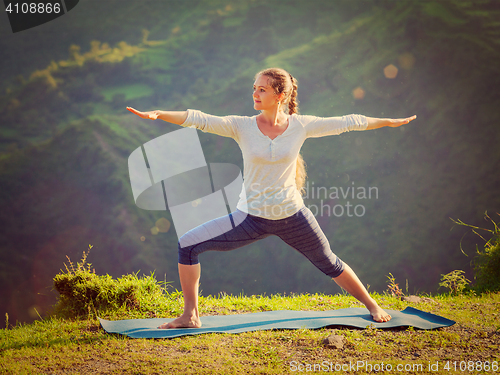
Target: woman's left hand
152 115
376 123
394 123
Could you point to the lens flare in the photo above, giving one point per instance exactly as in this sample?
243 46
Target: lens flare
163 225
358 93
390 71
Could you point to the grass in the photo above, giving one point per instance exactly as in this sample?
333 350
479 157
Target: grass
71 341
78 345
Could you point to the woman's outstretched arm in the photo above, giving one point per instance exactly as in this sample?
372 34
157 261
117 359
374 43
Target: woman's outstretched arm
375 123
226 126
175 117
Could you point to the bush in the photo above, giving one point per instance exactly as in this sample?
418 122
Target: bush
486 263
455 281
82 292
487 266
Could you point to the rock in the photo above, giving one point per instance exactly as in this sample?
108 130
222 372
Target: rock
416 299
334 341
413 299
428 300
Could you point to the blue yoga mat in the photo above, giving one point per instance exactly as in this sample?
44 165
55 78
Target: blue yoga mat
282 319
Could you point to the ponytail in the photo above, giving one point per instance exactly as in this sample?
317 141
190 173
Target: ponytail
293 103
300 172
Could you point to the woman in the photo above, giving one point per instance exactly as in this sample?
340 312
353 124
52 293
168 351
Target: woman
274 175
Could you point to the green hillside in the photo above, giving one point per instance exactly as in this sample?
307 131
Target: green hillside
66 136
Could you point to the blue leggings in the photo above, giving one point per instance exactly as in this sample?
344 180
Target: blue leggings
300 230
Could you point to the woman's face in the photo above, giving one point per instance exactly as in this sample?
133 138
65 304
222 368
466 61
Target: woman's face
264 97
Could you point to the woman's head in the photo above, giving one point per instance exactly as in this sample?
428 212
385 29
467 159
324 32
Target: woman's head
284 85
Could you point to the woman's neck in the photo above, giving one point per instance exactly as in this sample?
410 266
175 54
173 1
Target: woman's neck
274 117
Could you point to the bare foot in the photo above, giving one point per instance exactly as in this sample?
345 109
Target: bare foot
183 322
379 315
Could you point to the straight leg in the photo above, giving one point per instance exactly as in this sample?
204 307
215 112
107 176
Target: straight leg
189 276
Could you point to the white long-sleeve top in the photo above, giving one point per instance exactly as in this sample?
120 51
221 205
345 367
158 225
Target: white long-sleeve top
269 165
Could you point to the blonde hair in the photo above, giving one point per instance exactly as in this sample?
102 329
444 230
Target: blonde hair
283 82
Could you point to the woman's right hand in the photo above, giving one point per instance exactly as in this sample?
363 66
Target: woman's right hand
152 115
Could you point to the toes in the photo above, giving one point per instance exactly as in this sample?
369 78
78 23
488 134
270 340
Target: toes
386 318
381 318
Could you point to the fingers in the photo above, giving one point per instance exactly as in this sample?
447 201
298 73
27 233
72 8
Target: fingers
134 111
402 121
407 120
411 118
145 115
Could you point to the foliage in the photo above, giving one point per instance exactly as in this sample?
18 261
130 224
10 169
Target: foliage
487 260
455 281
394 287
83 292
58 345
